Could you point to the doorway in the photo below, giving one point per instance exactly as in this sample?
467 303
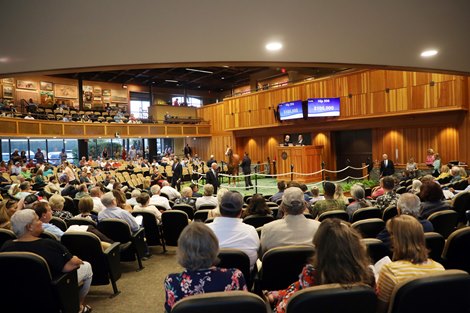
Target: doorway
352 148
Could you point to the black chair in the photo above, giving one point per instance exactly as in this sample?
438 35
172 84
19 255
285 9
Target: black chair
247 199
185 208
446 291
217 302
341 214
258 221
206 207
105 264
368 192
456 252
401 190
389 213
153 232
274 274
369 228
234 258
29 287
444 222
435 243
164 195
376 249
5 235
80 221
173 223
461 184
334 298
75 204
365 213
60 223
201 215
461 203
48 235
70 206
160 207
132 244
275 212
272 204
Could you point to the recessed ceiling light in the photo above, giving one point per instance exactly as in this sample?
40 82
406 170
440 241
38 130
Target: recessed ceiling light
222 77
428 53
274 46
171 81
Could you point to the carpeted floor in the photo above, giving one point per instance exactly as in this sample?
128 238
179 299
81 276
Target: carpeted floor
141 292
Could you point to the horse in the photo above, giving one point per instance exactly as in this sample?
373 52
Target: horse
233 166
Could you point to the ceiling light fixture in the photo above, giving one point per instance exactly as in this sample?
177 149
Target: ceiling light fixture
428 53
274 46
200 71
171 81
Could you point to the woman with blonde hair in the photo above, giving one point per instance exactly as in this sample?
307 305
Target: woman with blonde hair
410 257
445 173
57 203
340 258
121 200
339 194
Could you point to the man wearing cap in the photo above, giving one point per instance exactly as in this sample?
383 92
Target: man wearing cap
231 231
294 228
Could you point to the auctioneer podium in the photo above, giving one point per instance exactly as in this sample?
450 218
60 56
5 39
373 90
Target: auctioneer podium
306 159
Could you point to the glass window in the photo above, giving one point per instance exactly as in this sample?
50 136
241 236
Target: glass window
140 109
190 101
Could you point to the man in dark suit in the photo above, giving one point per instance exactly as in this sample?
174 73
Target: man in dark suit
212 176
386 167
177 174
246 169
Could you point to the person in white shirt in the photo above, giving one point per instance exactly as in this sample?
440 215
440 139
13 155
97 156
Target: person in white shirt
134 195
171 192
207 198
230 229
95 194
113 211
156 199
143 206
294 228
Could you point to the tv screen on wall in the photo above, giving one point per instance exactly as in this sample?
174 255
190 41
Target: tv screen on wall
321 107
290 110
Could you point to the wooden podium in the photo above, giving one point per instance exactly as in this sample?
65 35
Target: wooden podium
306 159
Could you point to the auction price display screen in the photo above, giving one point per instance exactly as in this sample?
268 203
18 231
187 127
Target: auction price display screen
291 110
320 107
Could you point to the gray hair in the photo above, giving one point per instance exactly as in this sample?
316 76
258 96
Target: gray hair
21 219
155 190
135 193
409 204
198 247
57 202
220 193
107 199
416 185
357 192
187 192
208 190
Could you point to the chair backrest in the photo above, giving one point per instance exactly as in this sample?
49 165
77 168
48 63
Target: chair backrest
5 235
28 274
334 298
164 195
153 234
173 223
456 252
401 190
275 274
48 235
70 206
369 228
376 249
272 204
389 212
80 221
341 214
116 229
235 258
447 291
258 221
435 243
461 203
216 302
60 223
201 215
185 208
444 222
365 213
206 207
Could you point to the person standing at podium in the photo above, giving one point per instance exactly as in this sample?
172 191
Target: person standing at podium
300 141
287 141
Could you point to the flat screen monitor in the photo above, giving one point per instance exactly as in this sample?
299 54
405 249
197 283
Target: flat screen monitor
320 107
290 110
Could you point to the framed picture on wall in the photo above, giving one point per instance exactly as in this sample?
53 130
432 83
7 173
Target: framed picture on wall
8 92
97 90
47 97
26 84
47 86
8 81
66 91
119 96
106 92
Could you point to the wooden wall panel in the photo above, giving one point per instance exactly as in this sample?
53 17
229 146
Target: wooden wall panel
74 130
8 127
28 127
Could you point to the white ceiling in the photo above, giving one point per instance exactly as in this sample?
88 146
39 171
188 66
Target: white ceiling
50 34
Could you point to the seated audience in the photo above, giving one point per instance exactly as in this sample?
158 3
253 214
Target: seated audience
121 200
186 197
134 195
455 173
53 186
389 196
339 194
432 197
257 207
85 206
444 177
358 194
315 195
57 202
171 192
82 191
7 209
197 252
231 231
113 211
281 186
207 198
408 204
143 206
195 189
28 228
294 228
216 212
44 212
329 204
156 199
410 258
95 194
416 186
340 258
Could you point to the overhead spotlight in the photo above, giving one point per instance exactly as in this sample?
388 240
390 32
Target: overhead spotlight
124 86
222 77
274 46
429 53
